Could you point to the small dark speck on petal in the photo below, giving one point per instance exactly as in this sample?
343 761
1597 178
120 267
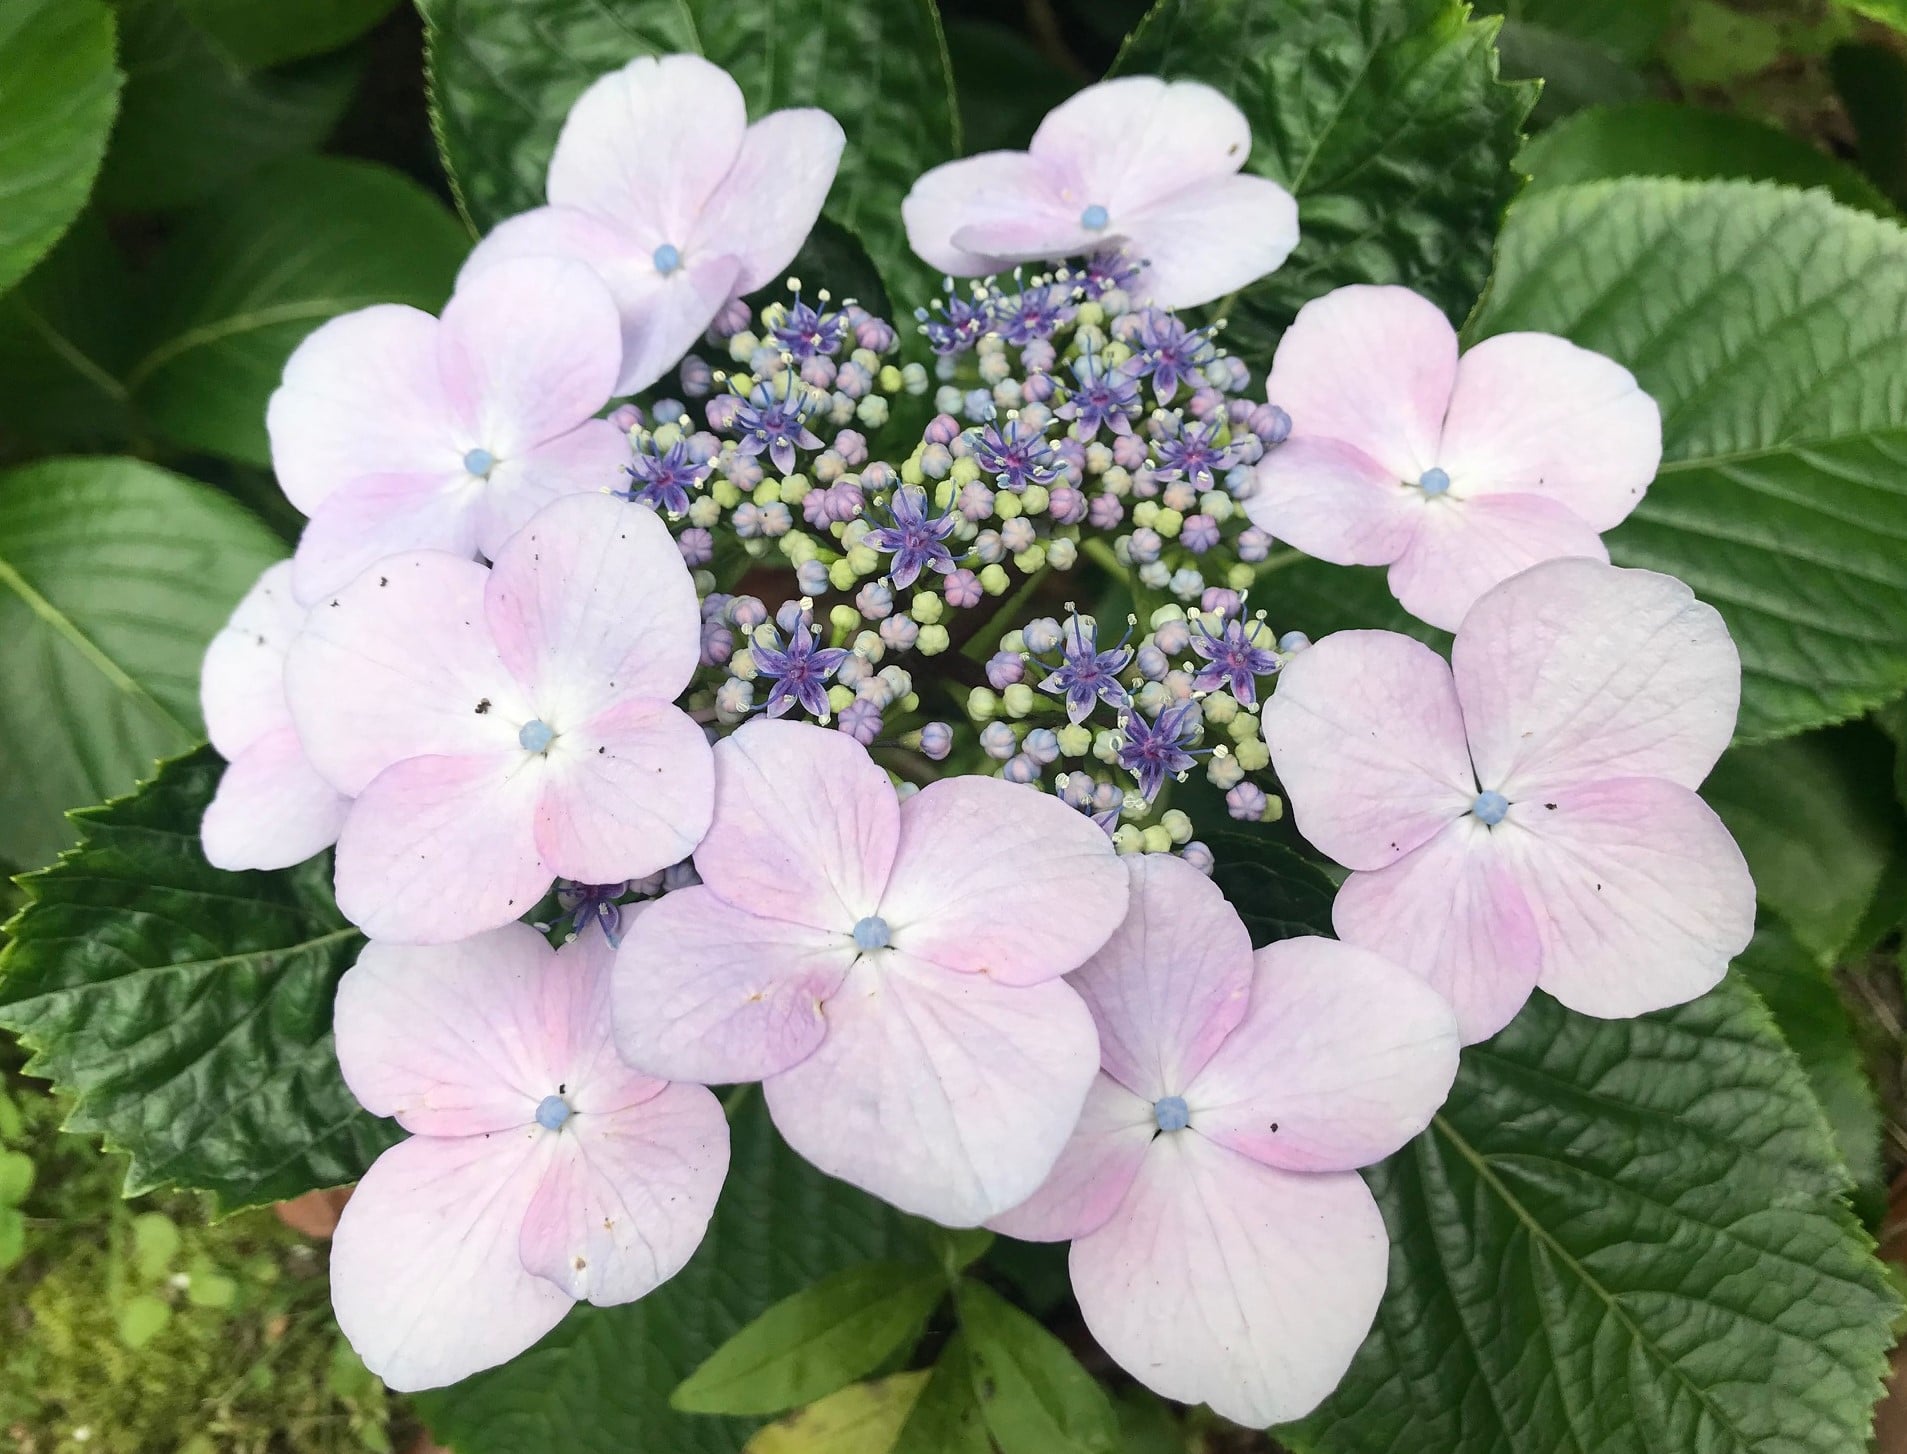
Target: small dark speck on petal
383 581
1550 806
1274 1125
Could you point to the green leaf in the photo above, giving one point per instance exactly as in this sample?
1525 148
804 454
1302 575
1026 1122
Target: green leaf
1771 326
1817 826
821 1339
286 30
65 347
141 1319
194 120
56 108
1034 1395
155 1242
958 1248
1575 73
1386 121
12 1237
1628 29
1620 1235
947 1418
600 1383
1278 893
1660 139
1872 82
1004 82
504 72
114 575
16 1177
864 1418
187 1011
239 284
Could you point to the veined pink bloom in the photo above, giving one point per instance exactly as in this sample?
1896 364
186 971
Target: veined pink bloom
272 808
1140 165
1455 473
889 970
503 728
540 1172
1526 816
660 184
1225 1250
397 431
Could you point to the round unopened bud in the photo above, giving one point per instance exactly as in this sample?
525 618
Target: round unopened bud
1018 699
933 640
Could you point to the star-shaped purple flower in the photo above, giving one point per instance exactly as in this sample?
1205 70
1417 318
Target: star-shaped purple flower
915 539
1190 449
1157 749
1169 352
664 479
774 417
1103 394
959 326
808 333
586 904
1018 457
1085 674
1034 312
1234 661
800 670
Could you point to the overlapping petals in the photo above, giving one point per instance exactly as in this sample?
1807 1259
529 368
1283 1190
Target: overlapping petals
1455 472
1224 1249
502 728
661 186
539 1172
890 970
1527 815
272 808
1147 166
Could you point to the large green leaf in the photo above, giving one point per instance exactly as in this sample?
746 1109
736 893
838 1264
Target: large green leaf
114 575
65 346
241 282
1033 1394
1384 117
504 72
1771 326
1620 1236
600 1383
187 1010
285 30
1280 894
58 89
1625 28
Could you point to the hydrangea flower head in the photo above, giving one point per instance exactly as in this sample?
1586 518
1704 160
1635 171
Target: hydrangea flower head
1146 166
1455 473
540 1171
889 970
503 728
272 808
397 431
1225 1251
1526 815
659 183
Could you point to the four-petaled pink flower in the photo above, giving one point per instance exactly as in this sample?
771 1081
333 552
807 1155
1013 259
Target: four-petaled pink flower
397 431
889 970
1526 816
1456 474
272 808
503 728
1225 1250
1145 166
539 1172
660 184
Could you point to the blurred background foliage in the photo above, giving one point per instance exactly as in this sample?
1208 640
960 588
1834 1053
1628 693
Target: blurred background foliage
230 173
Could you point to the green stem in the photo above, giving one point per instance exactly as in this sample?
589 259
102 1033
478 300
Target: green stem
986 640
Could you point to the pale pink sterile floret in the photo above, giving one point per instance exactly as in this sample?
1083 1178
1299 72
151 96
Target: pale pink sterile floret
539 1172
660 184
1139 165
272 808
397 431
1455 472
889 970
1225 1251
501 728
1526 815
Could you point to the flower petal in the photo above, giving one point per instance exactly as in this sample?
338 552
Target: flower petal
1128 143
1644 896
242 684
999 881
591 605
397 664
1211 239
1371 367
628 1196
766 206
375 516
1453 913
1464 547
663 317
591 458
528 349
805 825
1092 1174
1341 1059
1333 501
1576 671
1367 739
1171 982
707 992
271 809
628 794
576 996
1535 414
1225 1282
438 848
426 1280
949 1095
995 187
361 396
